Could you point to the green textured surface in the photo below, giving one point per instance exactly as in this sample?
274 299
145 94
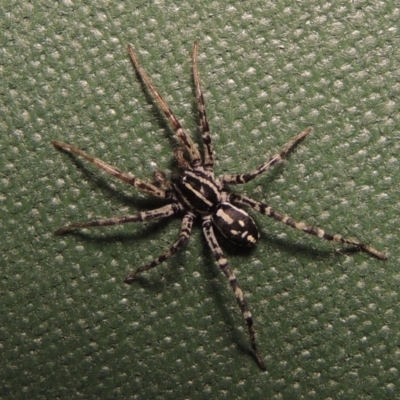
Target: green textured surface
328 324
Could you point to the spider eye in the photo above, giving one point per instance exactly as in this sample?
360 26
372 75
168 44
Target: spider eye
236 225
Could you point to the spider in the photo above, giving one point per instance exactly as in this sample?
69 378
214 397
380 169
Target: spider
196 193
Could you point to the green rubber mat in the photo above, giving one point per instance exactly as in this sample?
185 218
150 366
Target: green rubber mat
327 319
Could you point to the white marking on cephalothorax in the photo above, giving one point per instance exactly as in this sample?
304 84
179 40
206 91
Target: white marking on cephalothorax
198 194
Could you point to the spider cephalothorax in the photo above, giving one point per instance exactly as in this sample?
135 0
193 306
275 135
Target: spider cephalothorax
195 192
203 195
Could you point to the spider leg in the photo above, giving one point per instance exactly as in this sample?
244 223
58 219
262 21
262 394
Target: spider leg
162 212
161 179
312 230
244 178
186 229
223 264
128 178
205 129
183 137
178 153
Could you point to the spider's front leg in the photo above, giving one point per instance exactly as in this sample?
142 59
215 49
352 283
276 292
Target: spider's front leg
182 136
205 129
223 264
312 230
128 178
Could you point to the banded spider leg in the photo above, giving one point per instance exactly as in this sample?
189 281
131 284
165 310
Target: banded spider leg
196 193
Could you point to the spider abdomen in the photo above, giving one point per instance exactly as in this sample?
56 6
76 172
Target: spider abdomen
236 225
197 191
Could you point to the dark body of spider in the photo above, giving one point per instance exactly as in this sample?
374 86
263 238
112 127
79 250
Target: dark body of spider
197 193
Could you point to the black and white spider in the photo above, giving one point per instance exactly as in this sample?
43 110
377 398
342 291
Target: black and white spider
195 192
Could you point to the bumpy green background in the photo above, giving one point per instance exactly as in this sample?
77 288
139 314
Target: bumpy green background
328 321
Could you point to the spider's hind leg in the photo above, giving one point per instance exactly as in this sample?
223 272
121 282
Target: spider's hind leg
223 264
301 226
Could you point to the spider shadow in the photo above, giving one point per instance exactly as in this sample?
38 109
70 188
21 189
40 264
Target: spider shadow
157 113
305 251
162 121
135 238
150 229
213 275
98 181
215 279
166 269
